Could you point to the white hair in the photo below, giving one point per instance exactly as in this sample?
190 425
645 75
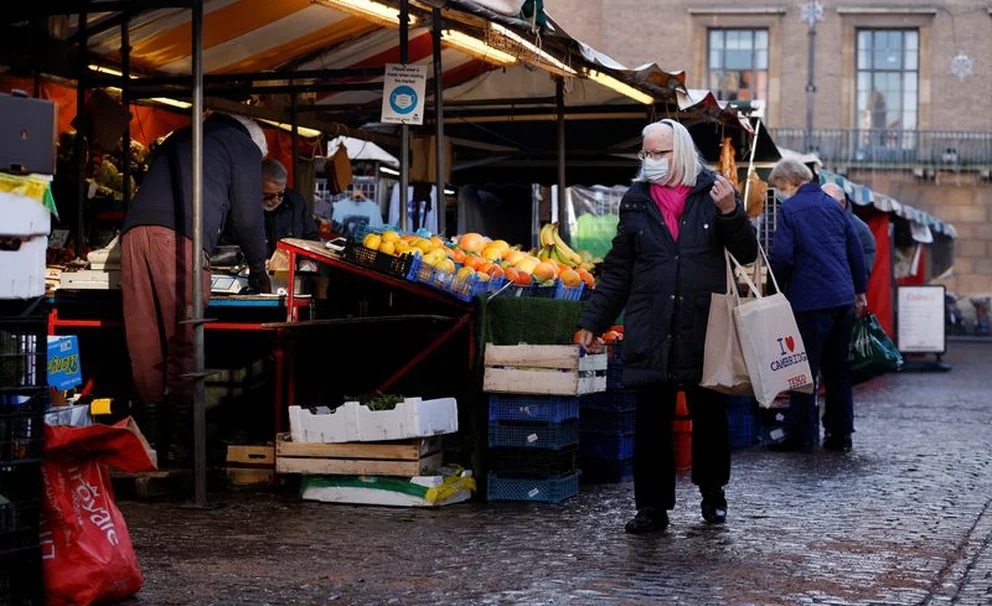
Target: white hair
684 165
256 132
790 172
834 191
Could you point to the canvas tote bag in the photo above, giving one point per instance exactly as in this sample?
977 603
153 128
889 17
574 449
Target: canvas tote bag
770 340
724 368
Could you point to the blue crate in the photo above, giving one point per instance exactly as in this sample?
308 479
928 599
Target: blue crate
614 367
568 293
533 435
540 490
613 446
606 421
532 408
614 401
605 471
363 229
742 417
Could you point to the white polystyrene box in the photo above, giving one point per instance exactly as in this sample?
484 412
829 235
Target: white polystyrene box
354 422
23 216
324 425
22 271
412 418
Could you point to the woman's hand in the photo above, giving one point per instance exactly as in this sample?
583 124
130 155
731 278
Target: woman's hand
589 341
722 193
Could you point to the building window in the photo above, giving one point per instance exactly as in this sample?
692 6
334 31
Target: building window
888 81
738 63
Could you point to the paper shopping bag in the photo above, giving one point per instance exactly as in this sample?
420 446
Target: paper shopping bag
770 341
724 368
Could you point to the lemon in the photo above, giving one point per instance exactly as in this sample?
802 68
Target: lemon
372 241
425 246
401 246
390 236
446 265
465 273
388 247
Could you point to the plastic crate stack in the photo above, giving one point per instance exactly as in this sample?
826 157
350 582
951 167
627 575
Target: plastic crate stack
744 422
533 448
606 443
23 401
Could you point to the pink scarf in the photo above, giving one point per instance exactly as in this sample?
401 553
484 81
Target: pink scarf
671 203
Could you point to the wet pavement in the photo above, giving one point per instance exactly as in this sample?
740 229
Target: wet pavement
902 519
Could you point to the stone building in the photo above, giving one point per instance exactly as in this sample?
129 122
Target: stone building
901 89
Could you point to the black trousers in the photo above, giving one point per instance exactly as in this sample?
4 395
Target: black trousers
654 459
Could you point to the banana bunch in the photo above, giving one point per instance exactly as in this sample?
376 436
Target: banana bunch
553 248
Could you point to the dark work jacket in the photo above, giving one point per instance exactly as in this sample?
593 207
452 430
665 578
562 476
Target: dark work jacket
232 187
865 236
816 253
666 284
291 219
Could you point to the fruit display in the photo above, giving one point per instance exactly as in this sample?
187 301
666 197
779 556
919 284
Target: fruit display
473 263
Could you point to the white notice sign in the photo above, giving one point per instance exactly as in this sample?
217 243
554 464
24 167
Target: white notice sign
403 94
920 319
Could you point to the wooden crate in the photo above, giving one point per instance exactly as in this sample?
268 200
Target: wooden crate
250 456
250 476
406 458
557 370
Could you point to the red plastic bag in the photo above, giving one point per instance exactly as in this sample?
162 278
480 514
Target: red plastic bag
87 551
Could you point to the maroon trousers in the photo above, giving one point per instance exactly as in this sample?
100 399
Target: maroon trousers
157 292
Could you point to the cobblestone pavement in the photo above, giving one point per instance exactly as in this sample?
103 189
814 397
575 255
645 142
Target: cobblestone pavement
903 519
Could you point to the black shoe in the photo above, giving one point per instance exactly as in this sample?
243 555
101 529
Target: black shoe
714 506
647 520
791 446
838 443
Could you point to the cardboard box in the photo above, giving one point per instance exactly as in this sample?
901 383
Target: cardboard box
64 371
354 422
22 266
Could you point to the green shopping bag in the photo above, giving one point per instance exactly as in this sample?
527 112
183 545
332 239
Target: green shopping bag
872 352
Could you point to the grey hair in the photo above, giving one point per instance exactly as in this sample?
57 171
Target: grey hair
685 165
835 191
790 172
273 170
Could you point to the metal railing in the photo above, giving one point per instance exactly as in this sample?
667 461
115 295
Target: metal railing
892 148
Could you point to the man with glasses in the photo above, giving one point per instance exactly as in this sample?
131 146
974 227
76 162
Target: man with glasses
286 212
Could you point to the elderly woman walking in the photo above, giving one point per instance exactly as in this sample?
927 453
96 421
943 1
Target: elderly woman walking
666 260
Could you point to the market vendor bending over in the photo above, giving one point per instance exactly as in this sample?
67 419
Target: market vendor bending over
157 261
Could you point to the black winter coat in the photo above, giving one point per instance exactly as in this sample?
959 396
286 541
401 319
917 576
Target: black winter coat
291 219
664 286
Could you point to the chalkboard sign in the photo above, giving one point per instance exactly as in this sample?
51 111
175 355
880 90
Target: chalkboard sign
920 319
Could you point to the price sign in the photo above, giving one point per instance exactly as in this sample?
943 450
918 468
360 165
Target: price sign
920 319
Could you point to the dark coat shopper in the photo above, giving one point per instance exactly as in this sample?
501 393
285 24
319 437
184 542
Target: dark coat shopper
666 260
817 253
286 212
867 238
157 260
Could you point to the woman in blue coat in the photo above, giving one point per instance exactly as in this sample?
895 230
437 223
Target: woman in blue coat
666 260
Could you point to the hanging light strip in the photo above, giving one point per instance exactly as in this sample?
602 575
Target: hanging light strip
367 9
540 56
477 48
618 86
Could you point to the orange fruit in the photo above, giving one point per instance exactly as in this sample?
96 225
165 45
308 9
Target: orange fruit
586 277
458 256
511 256
496 271
472 242
544 271
511 274
523 278
473 261
570 278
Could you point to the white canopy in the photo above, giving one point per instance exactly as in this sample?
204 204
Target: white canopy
362 150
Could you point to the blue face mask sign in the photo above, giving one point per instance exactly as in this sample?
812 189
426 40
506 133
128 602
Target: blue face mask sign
403 99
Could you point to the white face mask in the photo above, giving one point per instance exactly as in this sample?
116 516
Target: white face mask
655 171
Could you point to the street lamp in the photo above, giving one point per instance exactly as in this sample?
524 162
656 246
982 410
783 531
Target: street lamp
811 13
